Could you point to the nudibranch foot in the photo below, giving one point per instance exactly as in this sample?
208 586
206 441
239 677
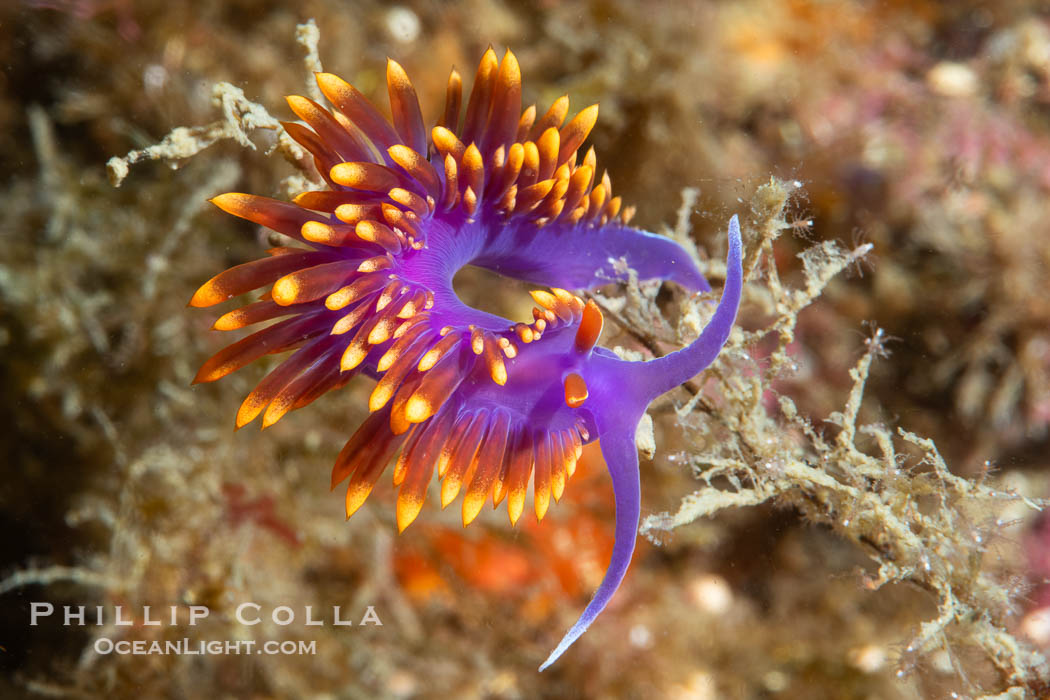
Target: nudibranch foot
486 404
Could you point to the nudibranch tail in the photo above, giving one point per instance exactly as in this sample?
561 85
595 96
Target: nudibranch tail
486 404
624 390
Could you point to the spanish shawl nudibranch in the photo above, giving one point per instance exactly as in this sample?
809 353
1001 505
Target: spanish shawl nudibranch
488 403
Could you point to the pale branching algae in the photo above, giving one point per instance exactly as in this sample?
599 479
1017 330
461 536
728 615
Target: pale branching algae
487 403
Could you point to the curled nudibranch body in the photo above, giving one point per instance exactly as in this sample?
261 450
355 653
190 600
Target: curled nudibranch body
487 404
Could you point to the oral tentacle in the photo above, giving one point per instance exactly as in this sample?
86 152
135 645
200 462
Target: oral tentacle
672 370
621 458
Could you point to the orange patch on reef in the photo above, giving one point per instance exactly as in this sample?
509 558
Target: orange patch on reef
541 568
420 579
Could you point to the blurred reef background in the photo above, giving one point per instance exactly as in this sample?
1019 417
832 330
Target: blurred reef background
891 165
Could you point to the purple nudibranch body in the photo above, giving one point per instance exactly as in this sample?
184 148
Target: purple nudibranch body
488 404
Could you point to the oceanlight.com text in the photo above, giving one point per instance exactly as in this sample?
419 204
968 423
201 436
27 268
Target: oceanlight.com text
196 647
